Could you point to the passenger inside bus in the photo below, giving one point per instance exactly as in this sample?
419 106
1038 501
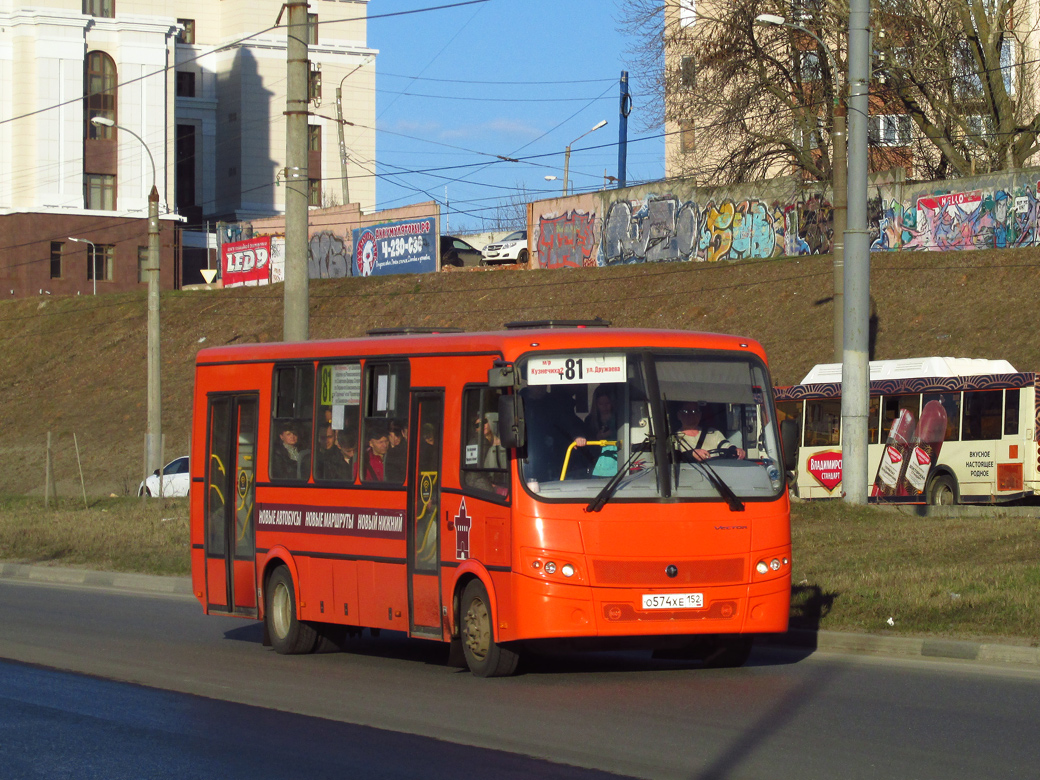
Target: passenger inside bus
396 461
375 455
552 426
698 438
288 459
602 425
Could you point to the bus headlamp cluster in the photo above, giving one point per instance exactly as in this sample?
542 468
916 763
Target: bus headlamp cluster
775 564
551 567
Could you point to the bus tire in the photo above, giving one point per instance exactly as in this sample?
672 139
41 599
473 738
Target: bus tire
941 490
730 652
484 656
288 634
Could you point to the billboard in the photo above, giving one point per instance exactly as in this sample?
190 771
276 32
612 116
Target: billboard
408 247
246 262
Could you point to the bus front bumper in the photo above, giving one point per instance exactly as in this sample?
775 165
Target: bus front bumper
557 610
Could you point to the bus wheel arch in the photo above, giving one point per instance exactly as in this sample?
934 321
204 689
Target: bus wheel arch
942 489
476 628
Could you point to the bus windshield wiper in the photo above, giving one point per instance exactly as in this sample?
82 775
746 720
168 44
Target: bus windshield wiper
724 490
608 490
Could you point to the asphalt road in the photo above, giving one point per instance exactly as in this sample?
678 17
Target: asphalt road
786 715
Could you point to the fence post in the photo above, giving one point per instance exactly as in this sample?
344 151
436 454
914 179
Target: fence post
47 473
79 463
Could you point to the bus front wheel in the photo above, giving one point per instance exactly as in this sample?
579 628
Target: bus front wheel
942 490
288 634
484 656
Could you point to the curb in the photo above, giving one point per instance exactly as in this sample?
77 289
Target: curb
908 647
797 638
56 575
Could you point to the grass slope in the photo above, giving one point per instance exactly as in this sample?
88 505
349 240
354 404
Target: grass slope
77 365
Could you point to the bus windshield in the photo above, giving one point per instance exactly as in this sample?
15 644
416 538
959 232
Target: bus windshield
619 417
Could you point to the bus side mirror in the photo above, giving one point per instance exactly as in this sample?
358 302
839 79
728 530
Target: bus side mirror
789 443
511 429
501 375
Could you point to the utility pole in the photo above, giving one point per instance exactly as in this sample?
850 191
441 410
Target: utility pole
342 143
855 374
154 363
624 109
296 295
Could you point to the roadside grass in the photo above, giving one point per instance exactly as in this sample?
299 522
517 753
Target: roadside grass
113 534
853 567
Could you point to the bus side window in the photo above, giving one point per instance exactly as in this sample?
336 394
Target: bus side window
874 420
1011 412
291 419
384 432
892 406
952 404
982 415
823 423
790 410
339 410
485 462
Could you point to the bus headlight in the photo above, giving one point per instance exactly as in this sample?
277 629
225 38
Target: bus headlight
762 568
550 567
567 570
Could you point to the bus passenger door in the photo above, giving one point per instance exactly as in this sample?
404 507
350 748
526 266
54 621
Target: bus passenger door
230 512
426 429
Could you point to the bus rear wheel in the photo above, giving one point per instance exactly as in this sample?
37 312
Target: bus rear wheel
942 490
288 634
484 656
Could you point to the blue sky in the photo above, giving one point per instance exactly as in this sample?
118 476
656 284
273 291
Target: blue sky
518 78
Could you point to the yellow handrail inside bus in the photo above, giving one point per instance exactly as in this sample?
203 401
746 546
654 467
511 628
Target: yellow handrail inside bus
567 457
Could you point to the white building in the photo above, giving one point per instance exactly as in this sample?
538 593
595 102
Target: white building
202 84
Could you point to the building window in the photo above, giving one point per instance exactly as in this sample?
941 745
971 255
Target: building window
686 136
56 247
142 264
687 13
314 82
102 257
103 8
313 192
889 129
185 83
101 94
312 29
100 191
688 72
808 65
313 138
187 33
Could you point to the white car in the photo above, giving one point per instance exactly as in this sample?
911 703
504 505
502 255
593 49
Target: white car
511 249
175 480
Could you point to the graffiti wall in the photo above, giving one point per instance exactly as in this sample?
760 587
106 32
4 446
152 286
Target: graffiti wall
941 220
666 227
649 224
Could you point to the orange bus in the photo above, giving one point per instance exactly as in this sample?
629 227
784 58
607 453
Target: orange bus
494 491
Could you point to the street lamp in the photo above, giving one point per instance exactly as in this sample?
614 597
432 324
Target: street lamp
567 156
839 168
93 256
154 379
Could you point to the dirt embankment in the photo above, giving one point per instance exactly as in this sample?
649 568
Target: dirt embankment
77 365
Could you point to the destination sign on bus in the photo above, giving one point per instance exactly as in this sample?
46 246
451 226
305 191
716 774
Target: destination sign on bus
576 369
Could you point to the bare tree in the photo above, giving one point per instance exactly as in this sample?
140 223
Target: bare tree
953 89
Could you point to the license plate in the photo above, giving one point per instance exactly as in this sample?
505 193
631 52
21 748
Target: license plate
673 601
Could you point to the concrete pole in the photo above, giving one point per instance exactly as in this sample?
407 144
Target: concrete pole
855 376
342 144
154 374
840 194
566 169
296 295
